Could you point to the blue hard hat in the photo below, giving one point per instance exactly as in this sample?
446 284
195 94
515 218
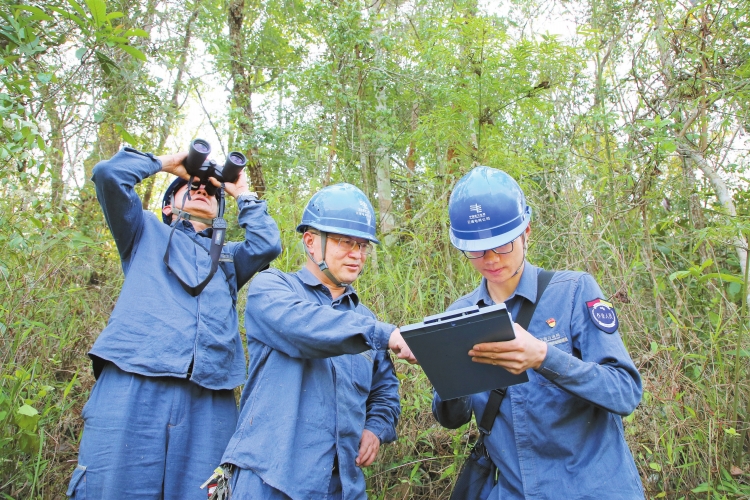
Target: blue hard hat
341 209
167 198
487 209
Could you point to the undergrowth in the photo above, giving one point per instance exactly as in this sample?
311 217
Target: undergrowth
678 305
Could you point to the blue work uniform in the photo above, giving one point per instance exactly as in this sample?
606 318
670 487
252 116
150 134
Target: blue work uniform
162 409
560 435
319 375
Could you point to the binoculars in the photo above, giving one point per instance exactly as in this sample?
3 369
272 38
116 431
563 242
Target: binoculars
201 169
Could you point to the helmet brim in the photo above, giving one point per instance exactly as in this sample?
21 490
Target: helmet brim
498 240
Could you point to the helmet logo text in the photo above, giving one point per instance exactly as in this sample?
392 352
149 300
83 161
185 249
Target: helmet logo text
364 211
479 216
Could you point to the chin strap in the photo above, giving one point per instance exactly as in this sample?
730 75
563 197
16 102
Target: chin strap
219 227
322 264
524 256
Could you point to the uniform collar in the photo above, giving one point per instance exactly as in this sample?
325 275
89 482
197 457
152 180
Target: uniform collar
309 279
527 287
187 227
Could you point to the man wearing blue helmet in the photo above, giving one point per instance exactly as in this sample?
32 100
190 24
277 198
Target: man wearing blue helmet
162 409
560 435
321 394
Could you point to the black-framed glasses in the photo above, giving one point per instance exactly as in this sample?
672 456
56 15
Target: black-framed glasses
478 254
347 245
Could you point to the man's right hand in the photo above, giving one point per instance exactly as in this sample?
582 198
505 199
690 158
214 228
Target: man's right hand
397 344
174 164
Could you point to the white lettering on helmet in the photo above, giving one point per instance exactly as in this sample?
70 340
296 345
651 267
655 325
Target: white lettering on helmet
476 208
364 211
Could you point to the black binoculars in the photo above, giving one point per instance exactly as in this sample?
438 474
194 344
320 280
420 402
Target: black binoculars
201 169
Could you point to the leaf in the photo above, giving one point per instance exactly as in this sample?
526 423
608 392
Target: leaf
655 466
70 385
68 15
136 32
77 7
27 410
679 275
134 52
126 135
669 146
98 11
108 65
722 276
702 488
37 13
80 52
114 15
744 353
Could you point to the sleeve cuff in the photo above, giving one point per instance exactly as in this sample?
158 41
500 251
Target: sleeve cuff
385 433
555 365
247 196
382 335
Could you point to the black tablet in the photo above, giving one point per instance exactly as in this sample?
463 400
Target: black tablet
441 344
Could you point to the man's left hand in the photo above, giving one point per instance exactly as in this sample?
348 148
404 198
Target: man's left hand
369 445
236 188
516 356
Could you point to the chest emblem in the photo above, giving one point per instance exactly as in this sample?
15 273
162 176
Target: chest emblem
603 315
551 322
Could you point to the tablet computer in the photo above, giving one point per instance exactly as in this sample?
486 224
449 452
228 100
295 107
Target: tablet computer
441 344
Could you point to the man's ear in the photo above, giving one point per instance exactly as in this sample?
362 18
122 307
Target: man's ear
167 211
308 241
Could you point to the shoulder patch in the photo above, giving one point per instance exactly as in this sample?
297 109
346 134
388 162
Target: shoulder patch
603 315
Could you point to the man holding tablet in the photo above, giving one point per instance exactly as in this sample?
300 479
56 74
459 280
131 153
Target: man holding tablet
560 435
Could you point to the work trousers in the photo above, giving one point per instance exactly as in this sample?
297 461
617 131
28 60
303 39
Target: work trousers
154 438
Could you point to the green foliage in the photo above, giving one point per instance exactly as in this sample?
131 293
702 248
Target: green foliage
623 139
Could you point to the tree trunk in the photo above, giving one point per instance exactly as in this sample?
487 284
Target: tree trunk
242 93
363 149
166 128
332 145
723 195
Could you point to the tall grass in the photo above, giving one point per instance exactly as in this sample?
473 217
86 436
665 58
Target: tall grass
672 286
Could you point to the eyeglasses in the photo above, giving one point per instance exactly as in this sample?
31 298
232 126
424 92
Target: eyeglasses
196 185
478 254
347 245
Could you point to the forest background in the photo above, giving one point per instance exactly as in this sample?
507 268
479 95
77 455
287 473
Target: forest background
625 121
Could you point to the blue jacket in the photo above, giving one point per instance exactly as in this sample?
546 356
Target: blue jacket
560 435
319 374
157 328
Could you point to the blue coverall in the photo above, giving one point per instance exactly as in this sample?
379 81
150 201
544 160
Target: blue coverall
560 435
162 409
319 375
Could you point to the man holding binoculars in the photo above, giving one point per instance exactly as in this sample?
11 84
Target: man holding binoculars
162 409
